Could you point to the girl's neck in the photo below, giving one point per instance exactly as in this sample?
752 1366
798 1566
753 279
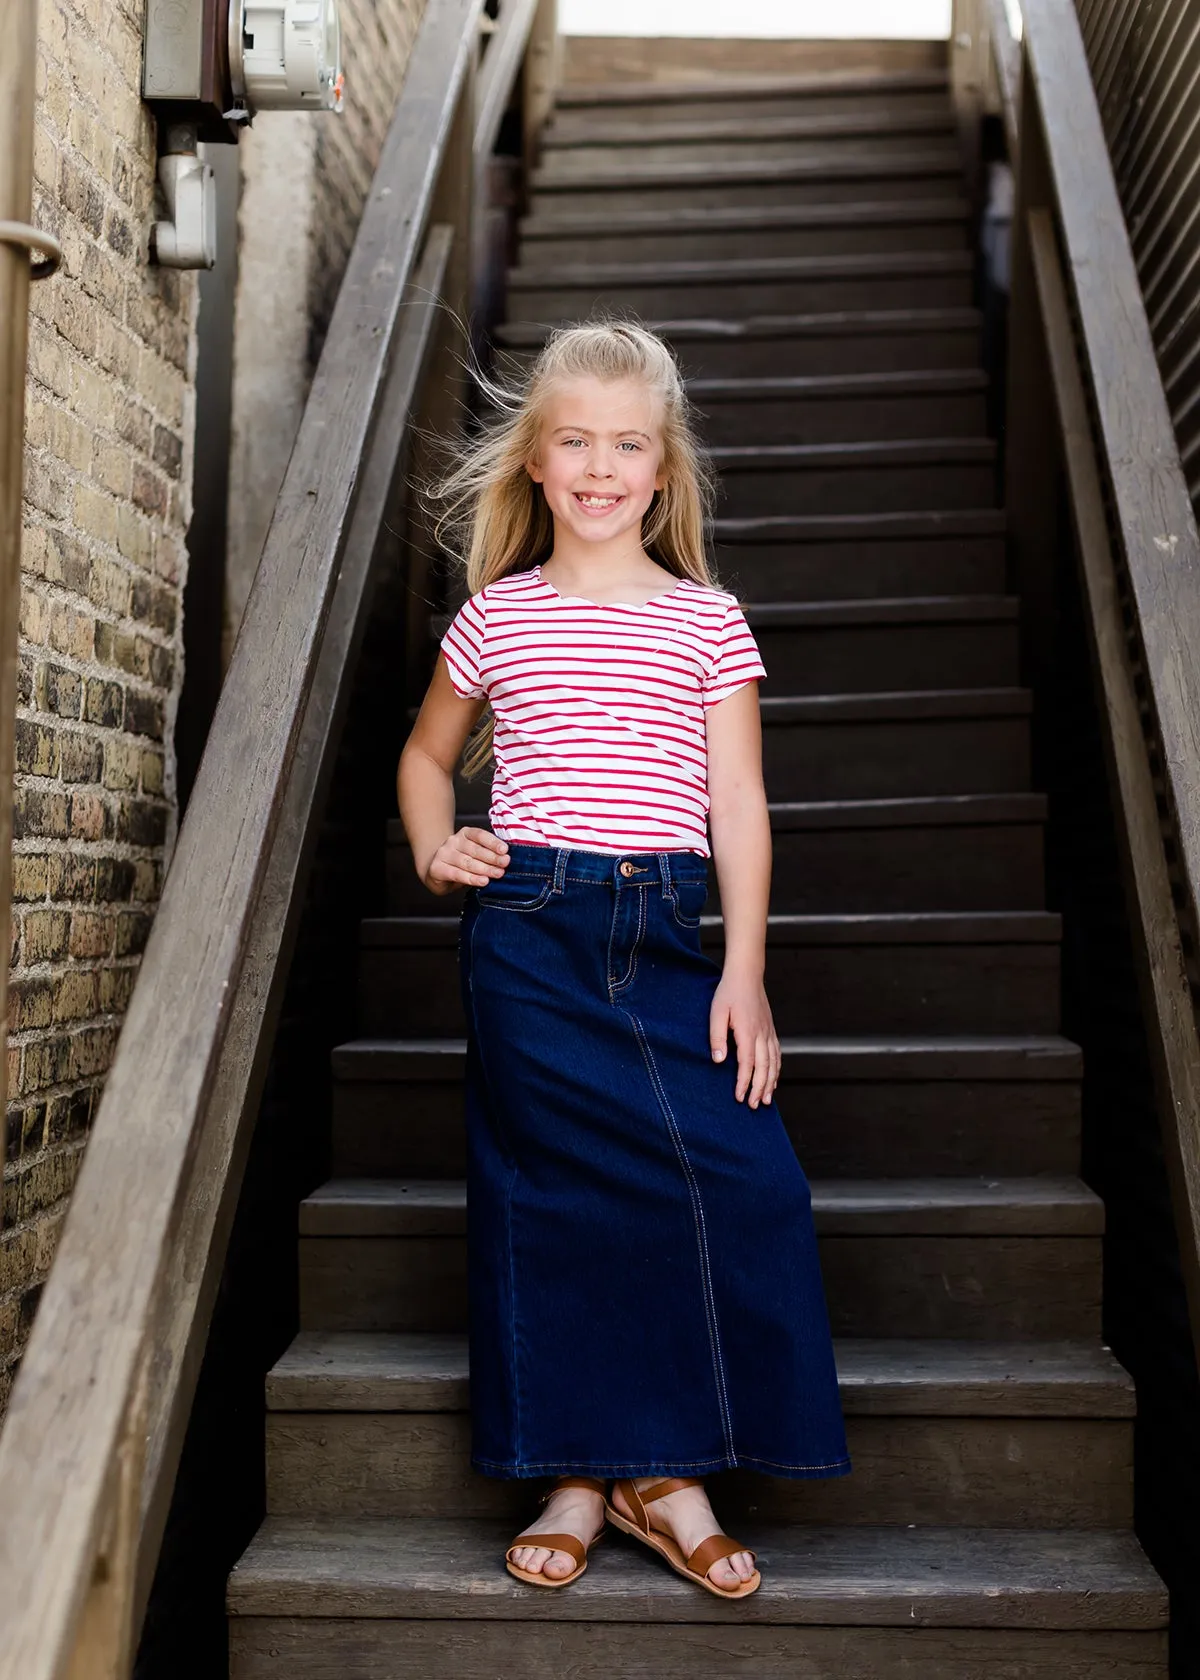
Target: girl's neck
599 570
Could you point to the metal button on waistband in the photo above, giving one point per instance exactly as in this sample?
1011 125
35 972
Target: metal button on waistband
626 868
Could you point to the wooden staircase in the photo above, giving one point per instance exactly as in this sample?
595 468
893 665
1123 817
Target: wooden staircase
807 243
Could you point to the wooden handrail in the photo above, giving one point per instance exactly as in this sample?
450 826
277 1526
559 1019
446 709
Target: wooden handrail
94 1428
1081 318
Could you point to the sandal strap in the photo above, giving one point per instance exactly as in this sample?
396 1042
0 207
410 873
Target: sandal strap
660 1490
592 1483
569 1543
712 1550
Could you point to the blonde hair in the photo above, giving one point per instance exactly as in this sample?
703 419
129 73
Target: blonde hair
495 518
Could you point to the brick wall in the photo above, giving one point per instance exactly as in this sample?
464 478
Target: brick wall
107 487
110 405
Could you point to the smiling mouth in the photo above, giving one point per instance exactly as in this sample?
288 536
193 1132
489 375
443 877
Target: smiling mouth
597 504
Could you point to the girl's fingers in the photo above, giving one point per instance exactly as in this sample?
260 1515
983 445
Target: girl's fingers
762 1072
485 838
718 1031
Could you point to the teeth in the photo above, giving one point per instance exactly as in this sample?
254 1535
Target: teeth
598 501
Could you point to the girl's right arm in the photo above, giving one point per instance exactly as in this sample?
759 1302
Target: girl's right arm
444 859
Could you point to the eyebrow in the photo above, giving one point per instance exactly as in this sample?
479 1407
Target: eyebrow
630 431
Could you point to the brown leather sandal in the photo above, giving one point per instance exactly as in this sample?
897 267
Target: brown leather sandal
694 1568
569 1543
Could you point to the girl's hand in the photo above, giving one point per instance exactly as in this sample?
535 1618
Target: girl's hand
471 857
740 1006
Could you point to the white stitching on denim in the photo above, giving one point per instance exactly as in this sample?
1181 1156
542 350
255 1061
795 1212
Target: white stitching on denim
628 977
710 1305
692 1466
519 909
512 1278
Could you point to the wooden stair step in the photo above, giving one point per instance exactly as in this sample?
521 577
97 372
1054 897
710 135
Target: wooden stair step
959 852
325 1371
845 176
831 478
1005 1600
771 140
1031 1207
858 408
938 642
613 133
962 1259
872 746
853 1106
785 230
892 972
768 285
866 556
364 1426
811 90
846 341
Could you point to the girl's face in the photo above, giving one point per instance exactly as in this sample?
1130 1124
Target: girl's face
600 455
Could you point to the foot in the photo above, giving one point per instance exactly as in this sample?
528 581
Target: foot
687 1517
572 1510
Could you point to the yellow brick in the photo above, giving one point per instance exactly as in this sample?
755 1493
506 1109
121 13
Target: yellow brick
93 395
109 586
72 441
96 514
135 538
35 551
110 466
49 359
87 66
52 30
39 424
34 617
45 157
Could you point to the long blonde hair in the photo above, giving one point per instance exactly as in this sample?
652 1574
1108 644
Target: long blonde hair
494 517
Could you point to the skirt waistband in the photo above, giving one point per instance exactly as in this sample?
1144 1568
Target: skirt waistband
561 864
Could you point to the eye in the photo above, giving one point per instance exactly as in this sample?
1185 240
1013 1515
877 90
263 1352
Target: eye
632 444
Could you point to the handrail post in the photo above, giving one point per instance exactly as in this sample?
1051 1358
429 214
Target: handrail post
1031 445
543 66
18 32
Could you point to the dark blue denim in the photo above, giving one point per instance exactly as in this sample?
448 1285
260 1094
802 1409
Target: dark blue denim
645 1294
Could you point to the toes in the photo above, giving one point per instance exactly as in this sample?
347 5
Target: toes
558 1565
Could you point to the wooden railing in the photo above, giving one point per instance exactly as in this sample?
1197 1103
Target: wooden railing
92 1438
1086 405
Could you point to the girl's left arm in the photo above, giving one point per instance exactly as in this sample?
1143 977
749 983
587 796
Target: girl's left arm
741 842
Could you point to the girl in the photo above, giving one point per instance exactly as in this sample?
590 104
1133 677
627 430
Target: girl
645 1300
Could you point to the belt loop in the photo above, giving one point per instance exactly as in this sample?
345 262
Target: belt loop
560 868
664 870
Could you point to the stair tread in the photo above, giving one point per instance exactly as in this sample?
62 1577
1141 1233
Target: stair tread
900 609
920 161
379 1371
583 95
899 452
909 1056
748 218
853 1575
859 527
1048 1205
901 704
810 125
839 323
917 382
888 927
595 276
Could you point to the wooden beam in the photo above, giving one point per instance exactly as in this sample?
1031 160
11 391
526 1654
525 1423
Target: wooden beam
1153 511
1162 972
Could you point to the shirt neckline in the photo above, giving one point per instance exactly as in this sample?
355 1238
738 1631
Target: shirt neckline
603 606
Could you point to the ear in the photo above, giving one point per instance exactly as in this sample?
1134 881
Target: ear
660 480
533 468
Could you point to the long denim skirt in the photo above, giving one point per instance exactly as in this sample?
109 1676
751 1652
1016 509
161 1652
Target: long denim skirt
645 1294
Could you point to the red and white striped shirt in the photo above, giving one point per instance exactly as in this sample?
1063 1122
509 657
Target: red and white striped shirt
599 709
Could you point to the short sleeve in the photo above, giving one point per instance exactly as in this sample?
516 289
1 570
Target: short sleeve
737 658
462 645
